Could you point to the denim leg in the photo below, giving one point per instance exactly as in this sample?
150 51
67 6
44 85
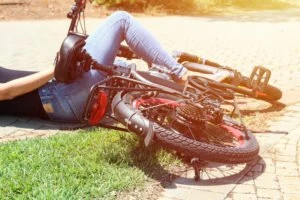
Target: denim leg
104 43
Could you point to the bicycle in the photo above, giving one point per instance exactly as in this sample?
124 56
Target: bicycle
182 118
221 79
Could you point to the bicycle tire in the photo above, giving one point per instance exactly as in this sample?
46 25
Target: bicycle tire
126 111
270 92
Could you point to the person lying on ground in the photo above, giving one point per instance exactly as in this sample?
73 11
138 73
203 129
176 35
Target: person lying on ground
38 94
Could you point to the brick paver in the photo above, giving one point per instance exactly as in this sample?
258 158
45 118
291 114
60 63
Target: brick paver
266 38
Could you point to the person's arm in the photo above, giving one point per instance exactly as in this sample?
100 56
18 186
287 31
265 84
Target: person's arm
26 84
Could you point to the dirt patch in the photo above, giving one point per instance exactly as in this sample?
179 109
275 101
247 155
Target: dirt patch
43 9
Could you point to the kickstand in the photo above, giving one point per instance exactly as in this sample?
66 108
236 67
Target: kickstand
197 165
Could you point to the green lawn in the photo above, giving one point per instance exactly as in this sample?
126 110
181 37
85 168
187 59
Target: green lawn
87 165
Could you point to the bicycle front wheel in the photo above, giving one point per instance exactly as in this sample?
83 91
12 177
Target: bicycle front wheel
270 93
179 126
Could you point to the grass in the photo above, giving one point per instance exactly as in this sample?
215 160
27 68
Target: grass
86 165
95 164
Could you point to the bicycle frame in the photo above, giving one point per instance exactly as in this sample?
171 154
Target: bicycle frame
210 72
129 80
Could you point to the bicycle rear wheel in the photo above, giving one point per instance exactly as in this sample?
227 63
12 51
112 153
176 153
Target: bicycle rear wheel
180 126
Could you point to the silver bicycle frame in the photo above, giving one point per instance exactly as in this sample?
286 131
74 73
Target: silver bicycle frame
210 72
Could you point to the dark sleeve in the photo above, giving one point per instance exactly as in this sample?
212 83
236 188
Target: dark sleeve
26 105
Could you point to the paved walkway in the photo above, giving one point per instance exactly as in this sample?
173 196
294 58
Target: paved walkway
268 38
275 175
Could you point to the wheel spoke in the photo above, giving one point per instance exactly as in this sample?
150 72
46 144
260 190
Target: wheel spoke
185 118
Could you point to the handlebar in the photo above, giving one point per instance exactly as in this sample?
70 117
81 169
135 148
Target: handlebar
182 56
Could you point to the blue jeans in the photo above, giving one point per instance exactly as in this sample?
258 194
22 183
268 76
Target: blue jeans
104 43
66 102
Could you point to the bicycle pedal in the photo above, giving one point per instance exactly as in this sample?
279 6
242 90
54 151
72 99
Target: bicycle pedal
259 78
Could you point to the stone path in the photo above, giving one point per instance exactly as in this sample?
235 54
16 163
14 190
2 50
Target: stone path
267 38
275 175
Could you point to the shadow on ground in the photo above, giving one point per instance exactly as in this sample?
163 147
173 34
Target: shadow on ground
214 174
